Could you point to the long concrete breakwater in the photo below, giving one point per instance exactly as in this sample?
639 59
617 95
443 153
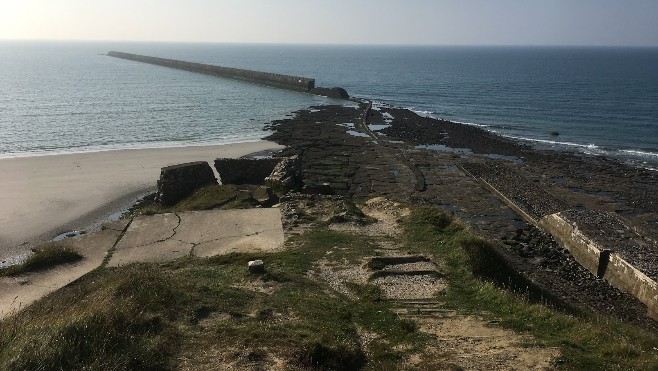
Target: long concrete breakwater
288 82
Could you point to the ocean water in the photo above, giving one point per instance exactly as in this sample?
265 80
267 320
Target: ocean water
62 97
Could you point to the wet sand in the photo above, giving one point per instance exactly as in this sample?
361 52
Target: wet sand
43 196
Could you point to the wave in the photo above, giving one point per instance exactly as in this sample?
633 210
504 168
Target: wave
423 113
553 142
484 126
640 153
129 146
634 157
430 114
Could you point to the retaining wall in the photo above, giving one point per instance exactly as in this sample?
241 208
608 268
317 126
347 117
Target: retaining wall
179 181
610 261
605 263
244 171
303 84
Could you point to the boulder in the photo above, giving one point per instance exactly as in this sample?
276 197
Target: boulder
338 93
286 175
179 181
264 194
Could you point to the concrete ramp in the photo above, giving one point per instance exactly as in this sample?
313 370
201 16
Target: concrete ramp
18 292
199 233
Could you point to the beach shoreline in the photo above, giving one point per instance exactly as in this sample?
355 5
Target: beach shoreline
43 196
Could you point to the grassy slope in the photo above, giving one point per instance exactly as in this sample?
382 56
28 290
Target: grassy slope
587 341
194 312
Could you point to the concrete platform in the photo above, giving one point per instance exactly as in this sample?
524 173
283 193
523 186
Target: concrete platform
151 239
20 291
200 233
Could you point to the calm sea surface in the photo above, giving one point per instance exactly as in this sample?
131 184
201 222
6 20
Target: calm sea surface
68 97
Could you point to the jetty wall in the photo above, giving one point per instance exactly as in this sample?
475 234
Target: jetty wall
296 83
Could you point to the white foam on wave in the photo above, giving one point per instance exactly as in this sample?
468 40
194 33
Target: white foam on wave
350 104
431 114
133 146
554 142
484 126
423 113
640 153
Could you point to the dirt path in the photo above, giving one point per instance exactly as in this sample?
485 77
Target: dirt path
412 284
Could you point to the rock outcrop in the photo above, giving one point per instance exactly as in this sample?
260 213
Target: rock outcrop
244 171
286 175
338 93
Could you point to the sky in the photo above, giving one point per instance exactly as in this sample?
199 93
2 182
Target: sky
412 22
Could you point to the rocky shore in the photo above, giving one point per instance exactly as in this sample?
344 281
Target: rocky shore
429 161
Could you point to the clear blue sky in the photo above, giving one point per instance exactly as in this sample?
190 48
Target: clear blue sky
442 22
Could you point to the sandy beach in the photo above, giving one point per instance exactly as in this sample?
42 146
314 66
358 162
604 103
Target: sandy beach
43 196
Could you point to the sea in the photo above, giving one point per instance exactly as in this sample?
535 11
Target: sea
65 97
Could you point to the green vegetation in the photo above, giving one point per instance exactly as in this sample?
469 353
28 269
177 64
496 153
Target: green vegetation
46 257
154 316
206 198
348 212
210 312
586 341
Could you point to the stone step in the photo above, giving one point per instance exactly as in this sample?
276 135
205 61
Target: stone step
380 262
389 273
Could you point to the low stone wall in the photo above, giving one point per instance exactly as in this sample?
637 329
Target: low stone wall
179 181
244 171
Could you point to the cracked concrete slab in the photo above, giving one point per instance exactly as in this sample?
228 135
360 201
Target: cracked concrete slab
233 231
20 291
202 233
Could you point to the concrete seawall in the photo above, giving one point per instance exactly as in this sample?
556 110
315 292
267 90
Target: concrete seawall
607 262
627 261
296 83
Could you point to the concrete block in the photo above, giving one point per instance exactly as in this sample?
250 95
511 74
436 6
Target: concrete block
256 266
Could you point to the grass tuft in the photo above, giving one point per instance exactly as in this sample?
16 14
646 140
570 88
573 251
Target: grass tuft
96 324
44 258
320 357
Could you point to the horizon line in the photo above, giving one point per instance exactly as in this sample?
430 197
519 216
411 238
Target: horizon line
336 44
